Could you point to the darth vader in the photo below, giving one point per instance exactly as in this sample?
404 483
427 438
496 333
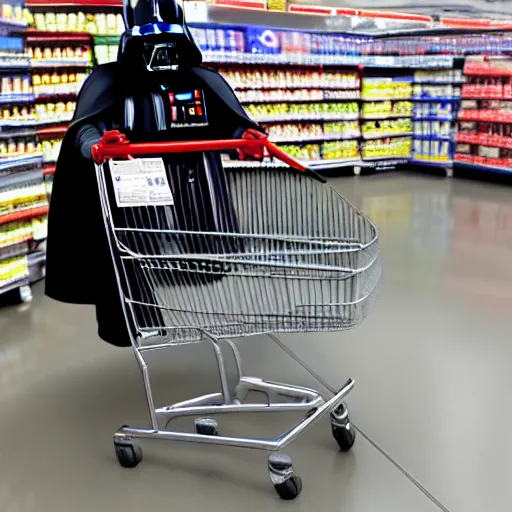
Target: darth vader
158 90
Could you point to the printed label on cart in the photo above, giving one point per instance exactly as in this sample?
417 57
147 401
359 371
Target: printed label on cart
141 182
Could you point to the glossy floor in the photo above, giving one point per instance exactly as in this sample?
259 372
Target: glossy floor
432 365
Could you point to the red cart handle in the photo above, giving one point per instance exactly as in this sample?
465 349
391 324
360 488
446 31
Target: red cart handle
252 146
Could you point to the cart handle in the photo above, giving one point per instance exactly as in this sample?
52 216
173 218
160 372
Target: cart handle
252 146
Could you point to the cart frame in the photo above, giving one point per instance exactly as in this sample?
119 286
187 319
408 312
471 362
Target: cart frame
280 397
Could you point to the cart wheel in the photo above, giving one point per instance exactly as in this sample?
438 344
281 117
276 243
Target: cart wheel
206 427
290 489
286 483
345 436
128 455
342 430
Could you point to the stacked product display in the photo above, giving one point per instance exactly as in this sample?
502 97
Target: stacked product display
484 137
436 96
23 198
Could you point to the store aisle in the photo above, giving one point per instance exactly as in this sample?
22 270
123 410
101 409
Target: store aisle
430 363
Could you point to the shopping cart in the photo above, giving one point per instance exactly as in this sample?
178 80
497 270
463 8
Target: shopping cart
207 253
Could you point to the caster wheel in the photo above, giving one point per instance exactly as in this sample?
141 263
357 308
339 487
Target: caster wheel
286 483
342 431
206 427
345 436
289 489
128 455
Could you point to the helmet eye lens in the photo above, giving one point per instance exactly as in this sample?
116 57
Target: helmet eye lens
161 57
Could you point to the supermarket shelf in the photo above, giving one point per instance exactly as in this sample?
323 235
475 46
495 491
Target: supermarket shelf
26 213
54 131
446 82
433 163
432 137
12 24
494 117
27 159
430 98
294 87
17 131
413 62
53 95
17 179
495 141
14 252
320 119
387 160
320 138
9 286
486 97
16 98
433 118
369 117
10 63
384 98
480 167
386 135
58 63
47 36
300 100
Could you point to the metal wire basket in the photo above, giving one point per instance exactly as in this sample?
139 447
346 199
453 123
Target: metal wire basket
247 252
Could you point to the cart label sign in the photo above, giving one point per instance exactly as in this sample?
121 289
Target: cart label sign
141 182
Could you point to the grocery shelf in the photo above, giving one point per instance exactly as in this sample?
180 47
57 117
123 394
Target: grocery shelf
400 159
486 97
26 213
60 63
433 163
305 118
495 116
430 98
384 98
8 286
245 101
43 96
320 138
17 179
433 118
106 40
54 131
413 62
369 117
19 131
14 251
34 36
386 135
481 167
12 24
432 137
483 139
16 98
294 87
14 63
434 82
19 160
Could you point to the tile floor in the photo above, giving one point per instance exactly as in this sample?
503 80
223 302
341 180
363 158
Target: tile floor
432 366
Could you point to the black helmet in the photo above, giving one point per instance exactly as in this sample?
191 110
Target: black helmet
157 31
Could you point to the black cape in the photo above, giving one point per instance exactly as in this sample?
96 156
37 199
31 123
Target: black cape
79 263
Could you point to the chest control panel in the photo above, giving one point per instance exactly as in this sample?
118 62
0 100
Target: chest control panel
188 109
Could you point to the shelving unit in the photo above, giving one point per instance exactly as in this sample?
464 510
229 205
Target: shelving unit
23 200
484 136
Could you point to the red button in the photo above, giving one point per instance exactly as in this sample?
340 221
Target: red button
199 111
171 97
197 94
